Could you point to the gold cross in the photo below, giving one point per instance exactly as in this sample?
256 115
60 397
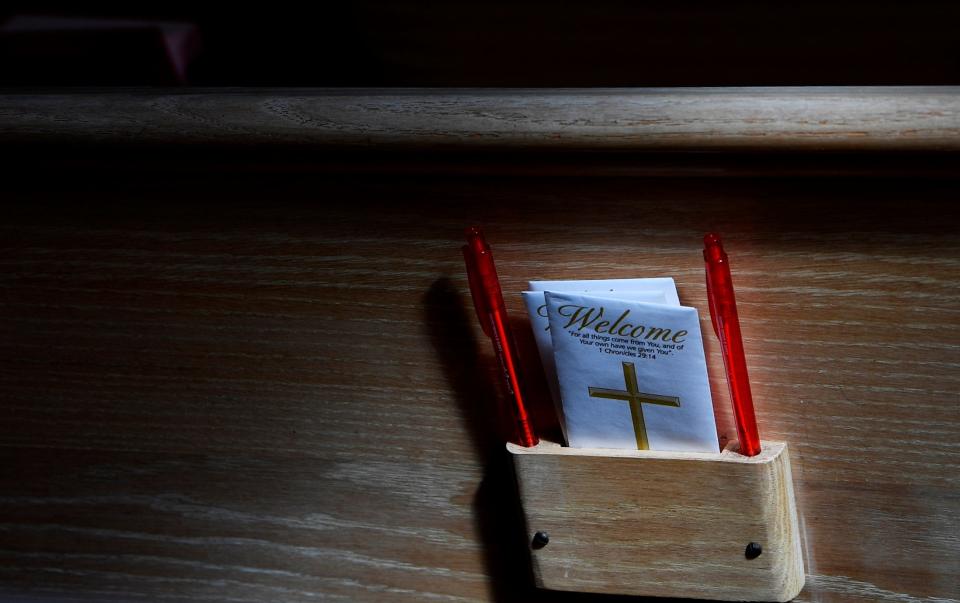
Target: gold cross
636 398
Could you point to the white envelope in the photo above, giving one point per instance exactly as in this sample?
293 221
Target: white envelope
613 286
631 374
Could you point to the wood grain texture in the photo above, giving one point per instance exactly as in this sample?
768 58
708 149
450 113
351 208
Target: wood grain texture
242 386
694 119
662 524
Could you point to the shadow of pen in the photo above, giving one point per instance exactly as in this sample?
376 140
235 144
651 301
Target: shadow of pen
471 378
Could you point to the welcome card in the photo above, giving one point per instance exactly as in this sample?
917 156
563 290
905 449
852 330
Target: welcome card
654 290
631 374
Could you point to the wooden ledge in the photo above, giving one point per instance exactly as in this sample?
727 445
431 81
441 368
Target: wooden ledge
633 120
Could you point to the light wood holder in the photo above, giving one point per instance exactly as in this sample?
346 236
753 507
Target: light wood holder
664 524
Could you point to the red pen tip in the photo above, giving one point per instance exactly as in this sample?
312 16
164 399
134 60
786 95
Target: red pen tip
713 248
476 240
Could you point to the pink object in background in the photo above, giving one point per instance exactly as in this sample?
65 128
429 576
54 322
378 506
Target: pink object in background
41 49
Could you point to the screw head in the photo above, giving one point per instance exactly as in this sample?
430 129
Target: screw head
753 550
540 540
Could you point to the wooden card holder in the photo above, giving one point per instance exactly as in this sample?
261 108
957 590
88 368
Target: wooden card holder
663 524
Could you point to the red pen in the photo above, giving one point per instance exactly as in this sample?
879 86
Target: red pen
488 301
726 323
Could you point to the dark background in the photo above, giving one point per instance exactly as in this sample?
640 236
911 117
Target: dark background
530 44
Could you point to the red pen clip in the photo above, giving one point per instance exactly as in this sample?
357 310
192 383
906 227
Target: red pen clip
476 289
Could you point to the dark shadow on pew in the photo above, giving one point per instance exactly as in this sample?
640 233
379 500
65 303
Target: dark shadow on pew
471 377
